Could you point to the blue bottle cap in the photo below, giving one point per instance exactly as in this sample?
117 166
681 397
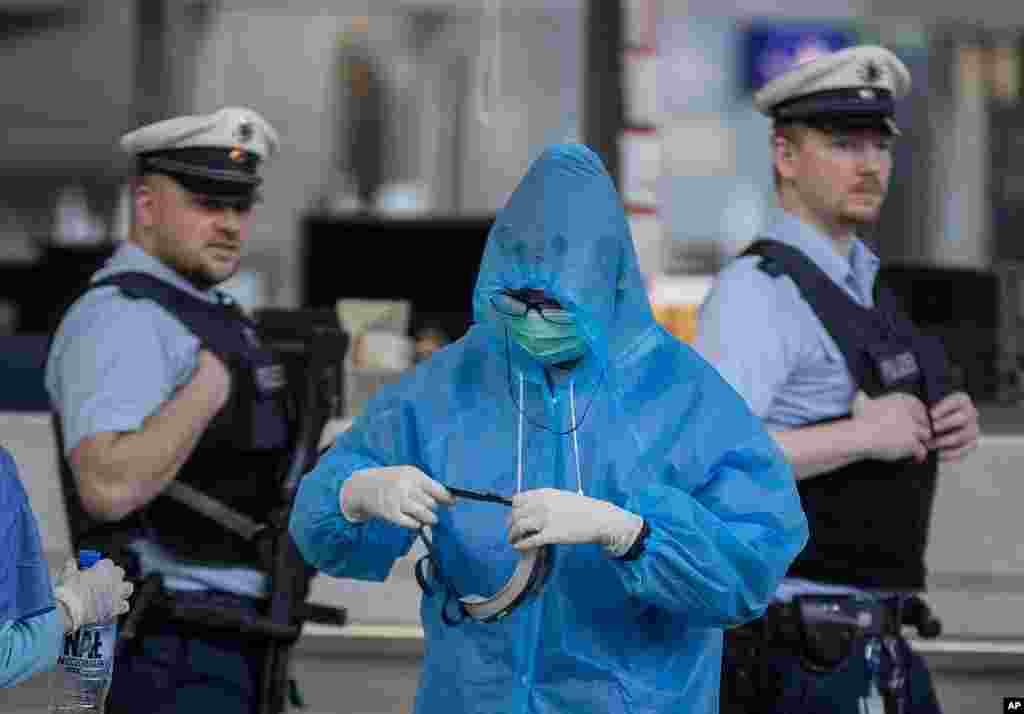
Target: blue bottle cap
88 558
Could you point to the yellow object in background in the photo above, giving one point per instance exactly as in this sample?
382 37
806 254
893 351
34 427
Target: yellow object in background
679 320
675 302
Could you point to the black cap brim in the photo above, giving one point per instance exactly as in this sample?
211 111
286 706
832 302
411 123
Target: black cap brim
224 173
224 191
851 108
841 122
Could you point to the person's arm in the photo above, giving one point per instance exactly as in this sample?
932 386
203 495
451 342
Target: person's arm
132 403
724 515
29 646
328 540
746 330
31 630
889 428
814 450
119 472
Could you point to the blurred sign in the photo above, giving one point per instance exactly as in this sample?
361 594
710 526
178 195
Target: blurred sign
640 162
640 90
701 146
769 49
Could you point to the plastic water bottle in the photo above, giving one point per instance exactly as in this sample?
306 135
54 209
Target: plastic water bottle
86 664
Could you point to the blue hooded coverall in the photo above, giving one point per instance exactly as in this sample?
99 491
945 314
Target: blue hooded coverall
656 431
31 630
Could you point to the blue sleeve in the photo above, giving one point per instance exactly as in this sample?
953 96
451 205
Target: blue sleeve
716 553
25 587
748 331
29 646
110 369
326 539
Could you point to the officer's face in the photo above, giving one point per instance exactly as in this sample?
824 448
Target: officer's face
196 235
841 176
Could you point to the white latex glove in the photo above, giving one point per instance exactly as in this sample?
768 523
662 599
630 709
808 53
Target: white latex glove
403 495
547 515
94 595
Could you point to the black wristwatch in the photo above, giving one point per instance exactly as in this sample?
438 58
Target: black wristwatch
638 545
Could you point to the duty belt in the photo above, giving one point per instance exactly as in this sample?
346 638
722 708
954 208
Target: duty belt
823 629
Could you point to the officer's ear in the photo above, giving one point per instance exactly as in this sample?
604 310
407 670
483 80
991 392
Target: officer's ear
785 142
782 146
144 201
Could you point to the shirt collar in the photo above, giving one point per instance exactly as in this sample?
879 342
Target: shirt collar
862 263
129 257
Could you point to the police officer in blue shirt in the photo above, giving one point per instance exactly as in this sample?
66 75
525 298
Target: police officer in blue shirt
860 402
157 378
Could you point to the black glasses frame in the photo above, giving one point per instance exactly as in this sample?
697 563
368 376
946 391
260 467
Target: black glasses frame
543 307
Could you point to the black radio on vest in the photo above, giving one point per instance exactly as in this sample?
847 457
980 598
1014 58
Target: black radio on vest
241 456
868 520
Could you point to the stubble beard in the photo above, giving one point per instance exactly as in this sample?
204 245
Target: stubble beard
205 277
862 217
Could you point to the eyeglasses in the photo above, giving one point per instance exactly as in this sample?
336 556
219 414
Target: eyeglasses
520 304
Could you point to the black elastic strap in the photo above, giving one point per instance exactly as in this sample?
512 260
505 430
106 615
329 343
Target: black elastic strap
479 496
639 545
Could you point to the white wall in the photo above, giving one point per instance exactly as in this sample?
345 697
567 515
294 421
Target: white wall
279 61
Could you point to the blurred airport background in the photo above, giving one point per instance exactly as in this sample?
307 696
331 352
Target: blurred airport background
405 124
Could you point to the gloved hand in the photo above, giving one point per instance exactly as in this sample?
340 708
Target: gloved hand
547 515
94 595
403 495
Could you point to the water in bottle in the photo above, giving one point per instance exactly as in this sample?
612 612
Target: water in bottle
86 664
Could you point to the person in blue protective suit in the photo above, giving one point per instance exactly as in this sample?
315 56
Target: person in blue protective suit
665 511
34 617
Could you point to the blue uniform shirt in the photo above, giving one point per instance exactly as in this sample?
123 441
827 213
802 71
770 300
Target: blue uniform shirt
766 341
114 362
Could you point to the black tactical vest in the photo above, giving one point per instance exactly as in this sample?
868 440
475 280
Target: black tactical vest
240 458
868 520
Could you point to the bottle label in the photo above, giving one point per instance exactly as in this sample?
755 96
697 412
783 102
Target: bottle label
89 652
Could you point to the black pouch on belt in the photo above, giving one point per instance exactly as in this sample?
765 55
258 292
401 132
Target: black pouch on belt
828 631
